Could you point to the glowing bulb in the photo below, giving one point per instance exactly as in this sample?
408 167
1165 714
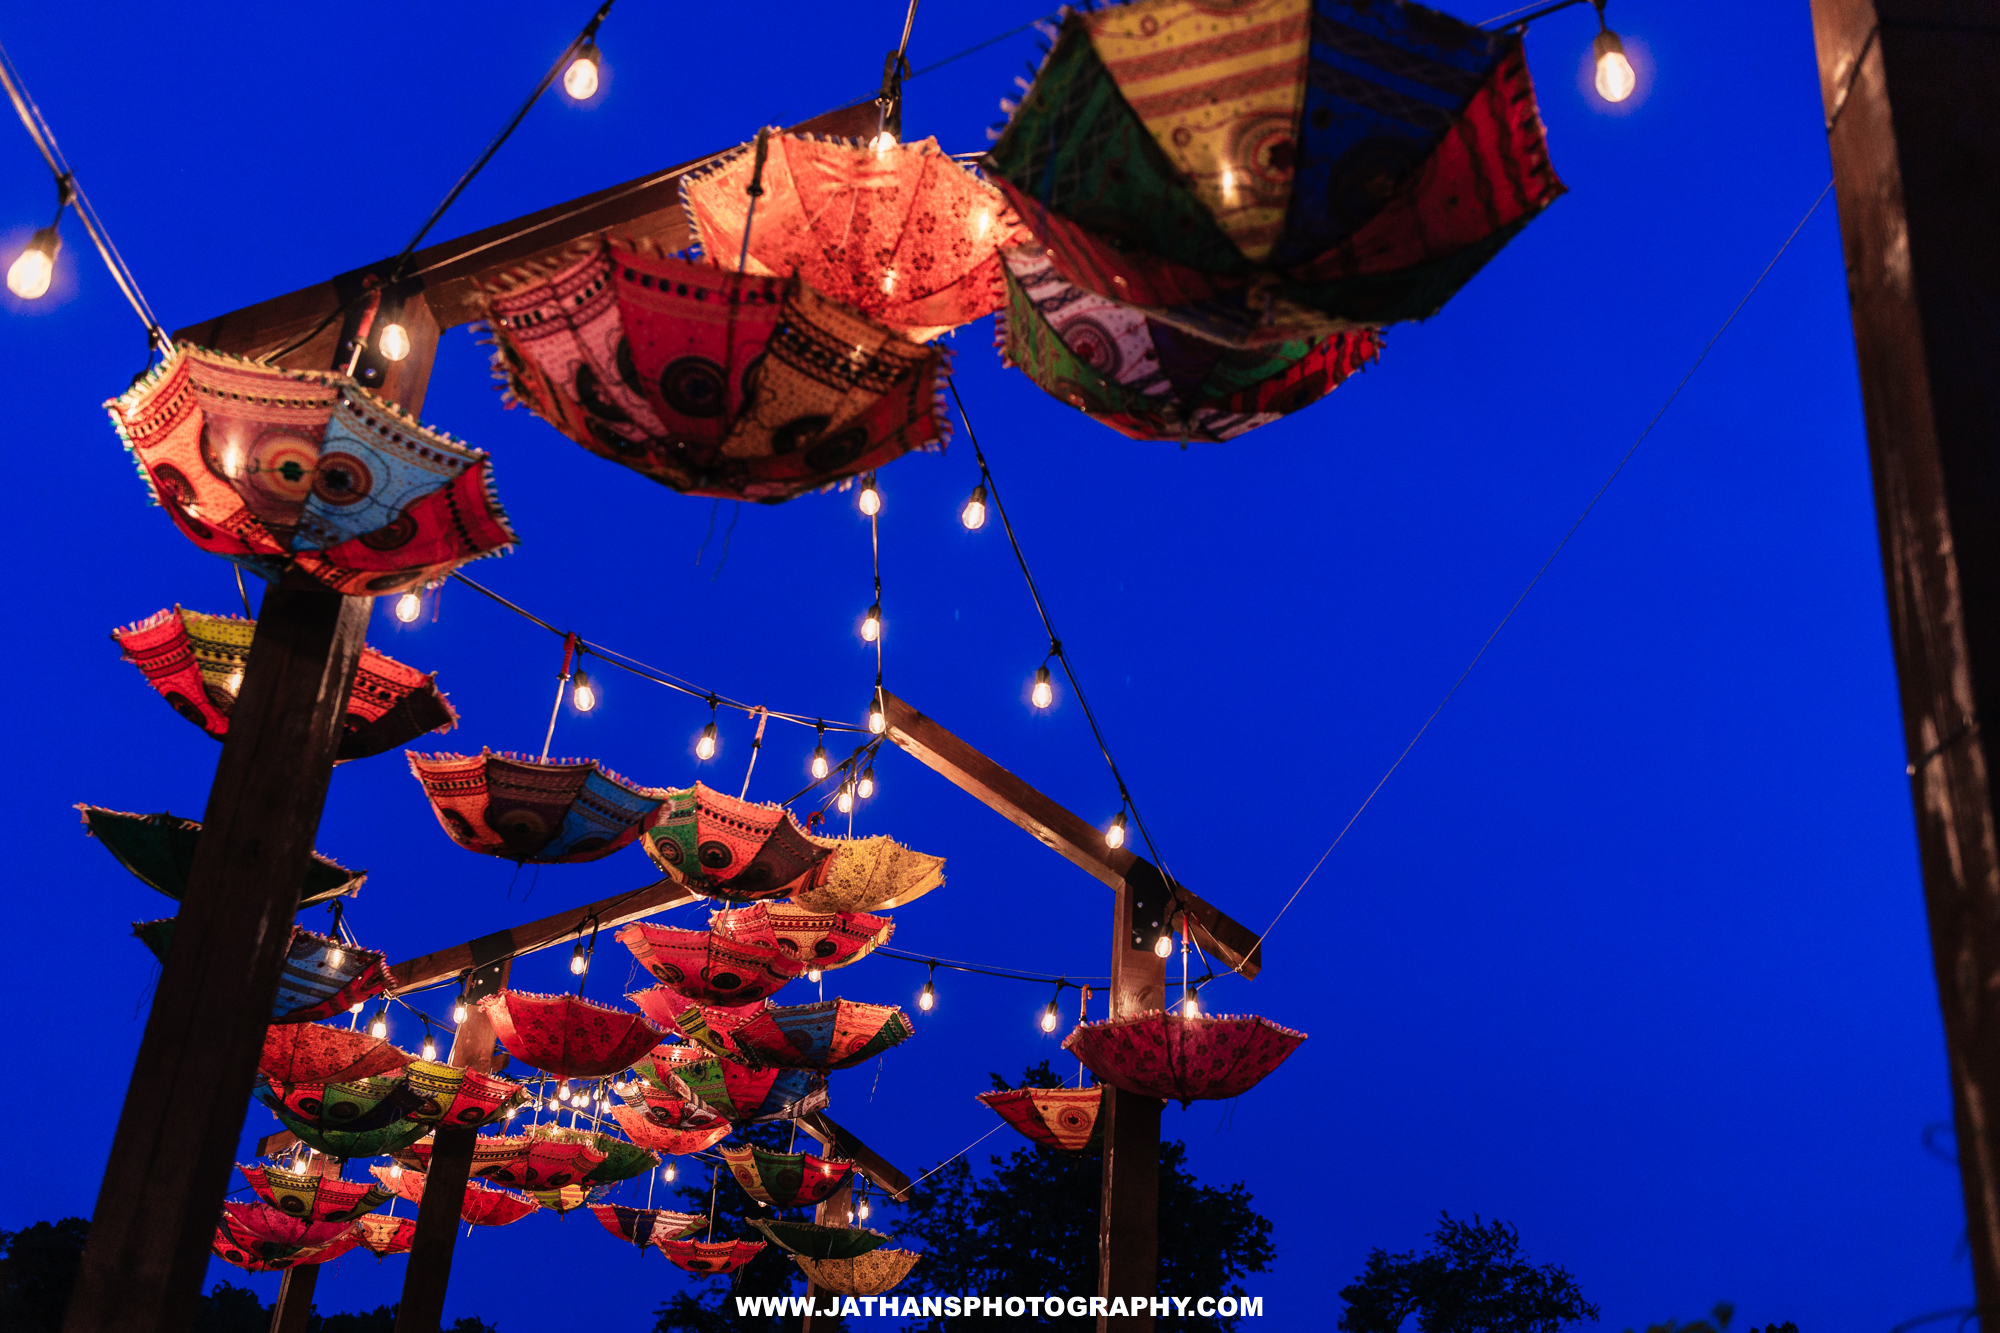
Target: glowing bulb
1164 946
513 1111
878 722
871 499
813 975
235 682
380 1027
395 1170
562 1093
28 277
1615 79
671 1171
394 343
408 607
336 956
973 515
1050 1017
354 1008
883 142
820 767
459 1012
579 961
580 79
866 787
706 746
864 1210
583 694
430 1051
1190 1007
1044 692
927 998
871 624
846 798
1115 835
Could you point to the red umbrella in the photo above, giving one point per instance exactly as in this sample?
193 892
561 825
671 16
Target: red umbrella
1061 1118
567 1035
832 1034
722 847
446 1095
805 938
526 1161
321 1053
707 966
674 1142
785 1179
646 1226
312 1196
670 1103
269 1233
528 809
384 1236
744 1095
483 1207
1158 1054
723 1256
263 1257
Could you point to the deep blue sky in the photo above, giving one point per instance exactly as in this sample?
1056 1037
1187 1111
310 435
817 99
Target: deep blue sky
1630 952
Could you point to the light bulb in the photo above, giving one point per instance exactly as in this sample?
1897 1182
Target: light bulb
973 515
1115 835
883 142
580 79
1044 692
820 767
459 1012
864 1211
671 1171
235 682
866 787
513 1111
28 277
878 722
380 1027
336 956
1164 946
430 1047
846 798
562 1093
583 694
1190 1007
395 1170
1615 79
1049 1017
706 746
354 1008
813 975
871 499
871 624
394 342
579 962
408 607
927 998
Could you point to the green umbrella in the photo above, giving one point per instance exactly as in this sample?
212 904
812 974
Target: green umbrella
818 1242
159 849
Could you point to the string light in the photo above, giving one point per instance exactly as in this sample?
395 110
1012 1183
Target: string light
864 1210
1615 79
235 682
927 997
1191 1006
460 1011
865 788
1164 946
513 1111
820 766
883 142
845 801
395 1170
871 624
973 514
394 342
708 742
813 975
1044 692
1050 1016
870 499
408 607
28 277
430 1049
1115 835
580 79
579 960
583 694
380 1027
335 957
670 1172
878 721
354 1008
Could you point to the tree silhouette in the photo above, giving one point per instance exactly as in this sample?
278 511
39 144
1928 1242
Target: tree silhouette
1473 1280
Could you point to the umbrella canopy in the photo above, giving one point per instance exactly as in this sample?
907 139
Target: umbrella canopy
708 1259
527 809
785 1179
743 1094
264 1229
306 472
322 1053
384 1236
899 232
159 849
868 1274
1284 167
621 1160
1060 1118
302 1109
707 967
666 1099
310 1196
819 1242
258 1256
722 847
646 1226
832 1034
719 384
445 1095
867 875
1158 1054
1150 380
805 938
564 1198
668 1142
567 1035
532 1161
323 977
483 1207
196 663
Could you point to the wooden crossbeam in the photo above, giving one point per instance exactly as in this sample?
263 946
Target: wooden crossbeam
841 1143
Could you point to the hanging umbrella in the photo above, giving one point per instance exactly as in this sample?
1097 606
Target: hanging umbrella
708 1259
1060 1118
867 875
567 1035
899 232
448 1096
322 1053
820 1242
196 662
832 1034
305 472
265 1257
719 384
323 977
743 1094
785 1179
868 1274
620 1160
159 849
1157 1054
668 1142
531 1161
310 1196
384 1236
565 1198
1276 170
646 1226
1150 380
707 967
347 1144
807 939
527 809
669 1102
483 1207
722 847
364 1104
270 1235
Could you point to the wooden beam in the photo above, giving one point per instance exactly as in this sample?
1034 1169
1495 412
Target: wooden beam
1128 1217
293 1312
840 1143
1058 829
611 913
645 212
1913 114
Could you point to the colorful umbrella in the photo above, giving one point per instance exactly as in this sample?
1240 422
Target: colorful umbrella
269 1233
527 809
307 472
708 1259
338 1139
743 1094
785 1179
1061 1118
706 967
646 1226
564 1198
1158 1054
713 383
531 1161
265 1257
364 1104
323 977
310 1196
384 1236
483 1207
668 1142
899 232
867 875
196 663
1277 168
448 1096
832 1034
807 939
1150 380
159 849
819 1242
622 1160
725 848
567 1035
868 1274
668 1101
321 1053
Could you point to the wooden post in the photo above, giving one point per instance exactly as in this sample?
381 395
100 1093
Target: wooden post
293 1312
1128 1223
429 1271
1913 114
830 1212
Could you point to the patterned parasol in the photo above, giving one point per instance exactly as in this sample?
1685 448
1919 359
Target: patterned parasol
1060 1118
323 977
1150 380
820 1242
708 1259
196 663
532 810
807 939
310 1196
832 1034
483 1207
713 383
445 1095
269 1236
621 1160
867 875
785 1179
307 472
1278 167
346 1143
868 1274
322 1053
706 967
384 1236
1157 1054
159 849
745 1095
668 1142
567 1035
646 1226
666 1099
899 232
564 1198
524 1161
266 1257
722 847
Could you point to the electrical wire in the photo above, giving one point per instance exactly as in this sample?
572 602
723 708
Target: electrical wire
951 965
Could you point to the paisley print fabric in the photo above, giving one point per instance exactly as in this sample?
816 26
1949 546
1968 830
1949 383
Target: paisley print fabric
668 1142
736 850
744 1095
261 1239
533 810
867 875
444 1095
312 1197
532 1161
806 939
567 1035
868 1274
1060 1118
708 967
785 1179
321 1053
384 1236
323 977
1158 1054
